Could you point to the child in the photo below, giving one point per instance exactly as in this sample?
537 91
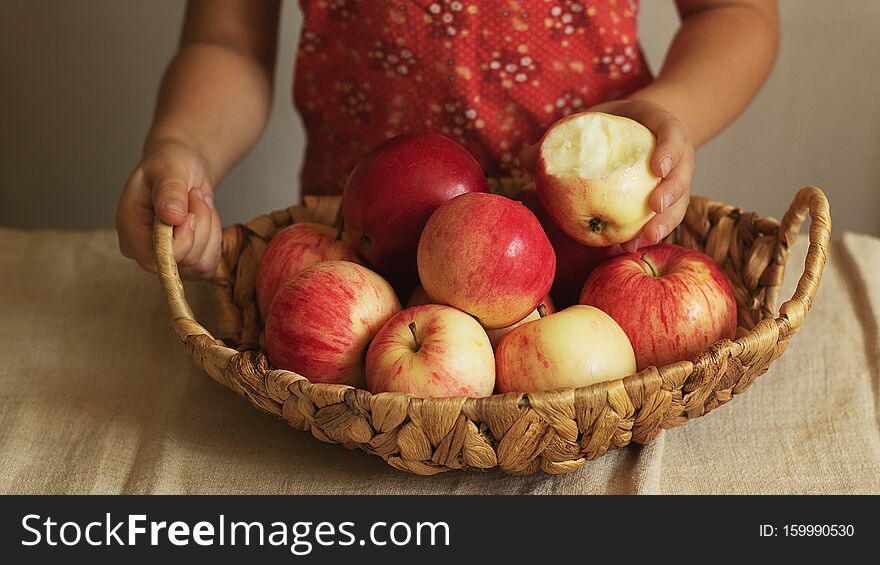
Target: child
492 74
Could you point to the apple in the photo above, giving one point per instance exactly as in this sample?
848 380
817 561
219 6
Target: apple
293 249
419 298
545 307
392 192
593 175
321 321
487 255
575 347
431 351
574 261
672 302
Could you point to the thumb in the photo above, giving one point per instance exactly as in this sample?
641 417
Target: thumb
170 198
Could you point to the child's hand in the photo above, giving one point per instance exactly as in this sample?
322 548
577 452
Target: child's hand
171 180
672 161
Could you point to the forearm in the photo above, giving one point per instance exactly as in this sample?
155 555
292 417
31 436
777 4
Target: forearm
217 92
214 99
719 59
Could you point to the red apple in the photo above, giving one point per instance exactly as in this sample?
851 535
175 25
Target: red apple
672 302
487 255
495 336
594 177
431 351
293 249
576 347
322 320
390 195
574 261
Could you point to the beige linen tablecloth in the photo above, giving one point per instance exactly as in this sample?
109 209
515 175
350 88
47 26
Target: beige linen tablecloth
98 396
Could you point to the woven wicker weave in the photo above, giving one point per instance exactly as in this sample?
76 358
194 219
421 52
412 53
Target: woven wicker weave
556 432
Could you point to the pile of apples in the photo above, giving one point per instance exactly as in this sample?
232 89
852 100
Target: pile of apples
483 274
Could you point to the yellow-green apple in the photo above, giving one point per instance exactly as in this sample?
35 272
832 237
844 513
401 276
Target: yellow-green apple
322 320
392 192
545 307
293 249
431 351
419 298
594 177
672 302
487 255
575 347
574 261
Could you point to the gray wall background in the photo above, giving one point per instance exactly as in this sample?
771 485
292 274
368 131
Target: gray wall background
80 78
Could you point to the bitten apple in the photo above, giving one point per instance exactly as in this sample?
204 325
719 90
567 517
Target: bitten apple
293 249
390 195
487 255
574 261
575 347
594 177
546 306
321 321
431 351
672 302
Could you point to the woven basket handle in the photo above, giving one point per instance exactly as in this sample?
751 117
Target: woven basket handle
813 201
182 317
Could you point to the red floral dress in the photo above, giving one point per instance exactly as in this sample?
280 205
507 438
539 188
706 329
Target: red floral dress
490 74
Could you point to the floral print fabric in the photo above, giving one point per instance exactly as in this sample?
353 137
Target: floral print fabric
492 75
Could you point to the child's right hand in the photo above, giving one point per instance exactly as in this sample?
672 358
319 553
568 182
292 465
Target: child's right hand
172 181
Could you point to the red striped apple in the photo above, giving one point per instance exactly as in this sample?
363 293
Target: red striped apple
488 256
574 261
546 305
322 320
594 177
576 347
293 249
672 302
390 195
431 351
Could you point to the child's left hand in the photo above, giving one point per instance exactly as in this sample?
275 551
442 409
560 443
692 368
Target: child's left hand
672 161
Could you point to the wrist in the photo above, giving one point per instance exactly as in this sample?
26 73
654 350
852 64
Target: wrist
160 140
673 100
160 136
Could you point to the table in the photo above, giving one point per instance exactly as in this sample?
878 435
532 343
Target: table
98 396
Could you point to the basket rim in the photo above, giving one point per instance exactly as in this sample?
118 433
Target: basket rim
810 200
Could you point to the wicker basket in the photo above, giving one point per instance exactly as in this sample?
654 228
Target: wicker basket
556 432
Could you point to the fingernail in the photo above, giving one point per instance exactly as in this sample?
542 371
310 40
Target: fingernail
174 206
666 201
665 165
662 231
192 222
210 201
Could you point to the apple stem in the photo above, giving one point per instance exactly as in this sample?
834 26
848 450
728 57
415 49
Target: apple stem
542 310
650 264
412 328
